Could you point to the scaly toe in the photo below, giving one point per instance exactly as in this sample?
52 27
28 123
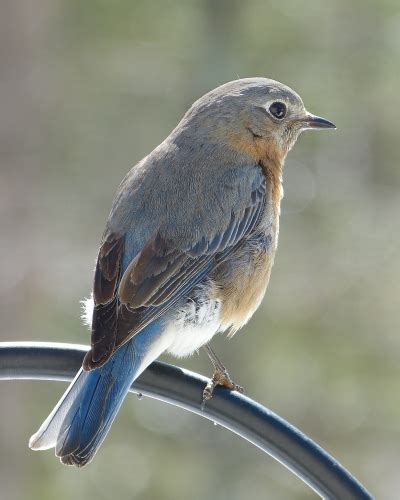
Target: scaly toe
219 378
238 388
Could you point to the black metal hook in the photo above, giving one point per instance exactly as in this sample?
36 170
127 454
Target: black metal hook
180 387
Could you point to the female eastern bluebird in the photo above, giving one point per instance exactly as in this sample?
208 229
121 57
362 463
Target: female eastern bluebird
187 251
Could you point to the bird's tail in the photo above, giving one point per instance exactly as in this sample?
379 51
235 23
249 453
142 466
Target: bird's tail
80 421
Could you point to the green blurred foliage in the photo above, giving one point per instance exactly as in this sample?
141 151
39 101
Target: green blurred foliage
89 88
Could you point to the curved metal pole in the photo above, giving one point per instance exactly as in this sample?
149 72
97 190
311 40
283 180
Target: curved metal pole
180 387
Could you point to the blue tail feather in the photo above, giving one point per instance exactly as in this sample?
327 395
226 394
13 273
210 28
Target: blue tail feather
90 417
81 420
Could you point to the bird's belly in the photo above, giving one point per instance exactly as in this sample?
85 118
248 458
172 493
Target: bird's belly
243 282
195 322
226 300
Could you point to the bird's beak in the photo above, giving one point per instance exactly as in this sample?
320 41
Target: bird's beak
316 122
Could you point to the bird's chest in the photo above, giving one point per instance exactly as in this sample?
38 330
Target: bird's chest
243 279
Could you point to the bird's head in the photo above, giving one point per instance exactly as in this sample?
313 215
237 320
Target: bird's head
257 116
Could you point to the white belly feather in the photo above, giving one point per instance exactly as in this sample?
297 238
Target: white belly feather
192 326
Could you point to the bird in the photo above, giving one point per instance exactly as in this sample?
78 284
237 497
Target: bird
187 252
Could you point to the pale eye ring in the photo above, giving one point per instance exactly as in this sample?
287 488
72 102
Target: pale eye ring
278 110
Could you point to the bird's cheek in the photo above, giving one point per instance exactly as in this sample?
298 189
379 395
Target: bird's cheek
290 136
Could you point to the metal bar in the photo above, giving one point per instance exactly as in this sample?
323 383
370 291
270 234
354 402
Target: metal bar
180 387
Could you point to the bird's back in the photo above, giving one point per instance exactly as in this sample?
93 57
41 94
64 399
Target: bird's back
184 193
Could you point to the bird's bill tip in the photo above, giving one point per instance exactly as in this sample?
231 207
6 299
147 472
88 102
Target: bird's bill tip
316 122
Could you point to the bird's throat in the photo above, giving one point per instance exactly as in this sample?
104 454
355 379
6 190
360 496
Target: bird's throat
272 164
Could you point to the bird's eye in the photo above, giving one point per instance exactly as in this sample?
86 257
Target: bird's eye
278 110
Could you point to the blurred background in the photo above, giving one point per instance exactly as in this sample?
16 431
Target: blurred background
86 90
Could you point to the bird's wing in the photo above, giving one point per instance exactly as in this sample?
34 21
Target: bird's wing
166 269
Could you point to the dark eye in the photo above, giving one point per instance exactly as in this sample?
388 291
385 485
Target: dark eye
278 109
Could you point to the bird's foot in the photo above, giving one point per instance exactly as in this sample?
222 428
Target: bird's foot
220 377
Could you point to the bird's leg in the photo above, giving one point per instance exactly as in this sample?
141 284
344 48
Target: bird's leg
220 377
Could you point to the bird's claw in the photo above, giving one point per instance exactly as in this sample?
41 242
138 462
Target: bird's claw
220 377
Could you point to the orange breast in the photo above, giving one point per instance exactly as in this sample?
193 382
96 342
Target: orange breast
241 282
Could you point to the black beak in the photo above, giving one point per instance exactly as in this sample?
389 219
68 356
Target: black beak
316 122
